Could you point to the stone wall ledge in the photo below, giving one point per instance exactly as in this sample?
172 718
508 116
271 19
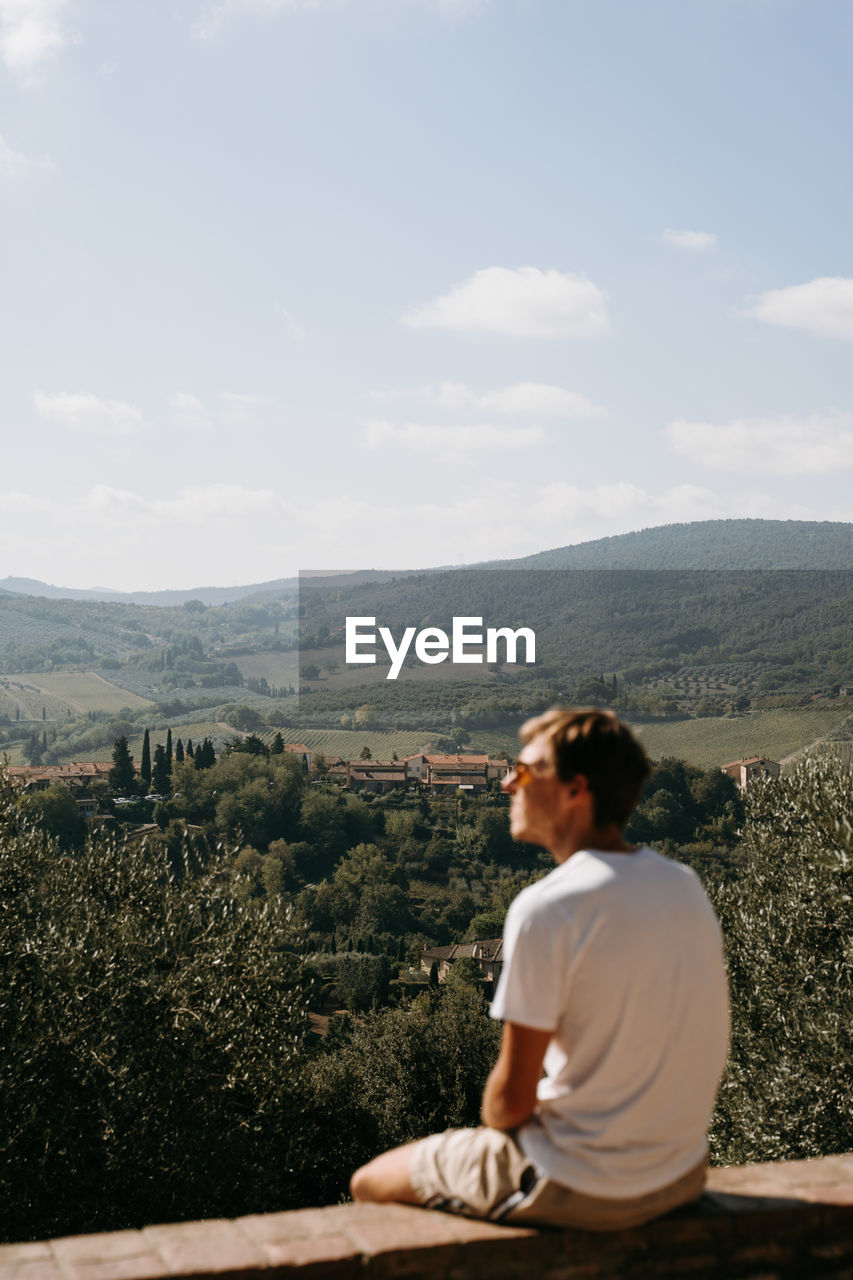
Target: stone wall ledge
790 1220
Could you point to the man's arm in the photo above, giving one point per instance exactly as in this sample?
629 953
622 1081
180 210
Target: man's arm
509 1097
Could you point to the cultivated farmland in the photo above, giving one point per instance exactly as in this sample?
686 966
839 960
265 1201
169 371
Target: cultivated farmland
714 741
63 693
279 669
348 743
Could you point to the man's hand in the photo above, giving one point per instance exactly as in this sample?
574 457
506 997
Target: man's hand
509 1097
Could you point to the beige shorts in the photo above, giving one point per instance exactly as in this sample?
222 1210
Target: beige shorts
483 1173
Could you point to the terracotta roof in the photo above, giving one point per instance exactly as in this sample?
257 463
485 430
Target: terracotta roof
86 769
485 949
371 769
439 953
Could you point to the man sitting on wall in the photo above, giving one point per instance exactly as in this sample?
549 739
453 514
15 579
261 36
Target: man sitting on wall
613 984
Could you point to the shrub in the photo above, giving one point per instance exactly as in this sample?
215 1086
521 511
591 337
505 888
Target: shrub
787 917
151 1030
392 1076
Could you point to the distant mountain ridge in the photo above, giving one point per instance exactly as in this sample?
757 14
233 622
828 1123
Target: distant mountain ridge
700 544
207 595
707 544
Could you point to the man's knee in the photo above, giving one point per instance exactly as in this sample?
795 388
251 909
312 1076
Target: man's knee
385 1178
360 1184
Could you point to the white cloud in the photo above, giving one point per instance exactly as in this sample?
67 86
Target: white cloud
450 442
218 13
190 412
459 8
197 537
823 306
196 506
17 504
533 518
525 303
184 402
14 164
540 399
294 330
693 241
245 400
230 407
89 413
820 444
227 534
30 30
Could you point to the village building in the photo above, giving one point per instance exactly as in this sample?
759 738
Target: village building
78 777
37 777
376 776
299 749
487 954
465 771
744 771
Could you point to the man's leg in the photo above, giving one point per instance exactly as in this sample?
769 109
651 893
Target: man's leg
470 1171
386 1178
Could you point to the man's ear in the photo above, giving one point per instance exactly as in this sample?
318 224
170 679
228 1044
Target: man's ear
578 786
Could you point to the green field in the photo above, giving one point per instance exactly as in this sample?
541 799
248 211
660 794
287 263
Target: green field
348 743
707 742
279 669
62 693
775 733
21 701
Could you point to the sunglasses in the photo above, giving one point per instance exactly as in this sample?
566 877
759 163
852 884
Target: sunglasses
524 772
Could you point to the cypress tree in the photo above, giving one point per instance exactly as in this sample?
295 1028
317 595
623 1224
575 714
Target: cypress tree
145 763
179 752
122 776
190 749
169 749
160 770
205 755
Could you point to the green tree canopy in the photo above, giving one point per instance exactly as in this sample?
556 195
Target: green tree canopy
55 812
152 1028
145 762
122 775
161 773
787 918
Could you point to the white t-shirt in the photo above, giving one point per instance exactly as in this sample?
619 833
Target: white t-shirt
620 955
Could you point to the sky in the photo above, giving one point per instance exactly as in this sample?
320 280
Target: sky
340 284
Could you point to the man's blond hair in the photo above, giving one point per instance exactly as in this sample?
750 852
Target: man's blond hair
594 743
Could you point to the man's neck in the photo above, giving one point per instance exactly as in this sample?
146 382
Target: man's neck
596 840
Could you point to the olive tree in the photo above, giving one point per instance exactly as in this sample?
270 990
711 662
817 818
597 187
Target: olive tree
787 918
151 1029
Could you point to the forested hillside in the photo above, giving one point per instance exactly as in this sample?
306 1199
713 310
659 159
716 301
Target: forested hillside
709 544
662 645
